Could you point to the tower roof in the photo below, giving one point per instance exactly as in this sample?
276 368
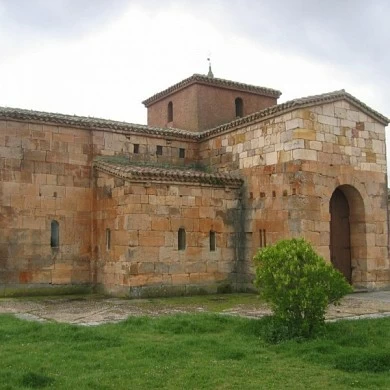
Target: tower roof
212 81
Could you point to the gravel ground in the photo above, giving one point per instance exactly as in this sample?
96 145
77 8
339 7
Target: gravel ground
95 310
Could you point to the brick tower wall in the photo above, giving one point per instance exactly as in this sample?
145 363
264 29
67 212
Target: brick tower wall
200 107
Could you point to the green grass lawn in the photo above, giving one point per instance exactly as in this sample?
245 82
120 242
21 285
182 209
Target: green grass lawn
194 351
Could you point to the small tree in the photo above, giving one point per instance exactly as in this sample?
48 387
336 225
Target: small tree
298 284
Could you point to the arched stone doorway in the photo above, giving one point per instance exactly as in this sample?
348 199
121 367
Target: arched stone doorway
340 234
347 232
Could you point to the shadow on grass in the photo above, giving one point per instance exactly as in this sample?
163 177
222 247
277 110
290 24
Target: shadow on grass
36 381
363 362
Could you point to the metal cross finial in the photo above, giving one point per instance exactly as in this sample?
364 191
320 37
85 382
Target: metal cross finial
210 73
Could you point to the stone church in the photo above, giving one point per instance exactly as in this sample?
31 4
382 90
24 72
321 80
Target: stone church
180 206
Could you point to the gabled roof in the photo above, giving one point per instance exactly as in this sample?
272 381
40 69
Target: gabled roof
90 122
213 81
129 128
144 173
294 104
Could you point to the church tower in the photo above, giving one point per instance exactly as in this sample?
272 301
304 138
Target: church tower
203 102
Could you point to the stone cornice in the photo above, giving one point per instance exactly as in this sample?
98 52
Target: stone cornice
295 104
148 174
91 123
130 128
213 81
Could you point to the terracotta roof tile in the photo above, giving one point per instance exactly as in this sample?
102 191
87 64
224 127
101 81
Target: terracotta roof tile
91 123
128 128
149 173
294 104
203 79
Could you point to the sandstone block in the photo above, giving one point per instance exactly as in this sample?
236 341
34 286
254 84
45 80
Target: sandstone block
306 134
151 238
160 223
180 278
61 276
304 154
195 267
145 267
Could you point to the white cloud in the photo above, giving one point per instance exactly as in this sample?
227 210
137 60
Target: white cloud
107 69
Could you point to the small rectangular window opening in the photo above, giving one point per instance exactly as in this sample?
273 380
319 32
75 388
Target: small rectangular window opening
108 239
239 107
182 153
263 238
54 234
170 112
136 148
181 239
212 241
159 150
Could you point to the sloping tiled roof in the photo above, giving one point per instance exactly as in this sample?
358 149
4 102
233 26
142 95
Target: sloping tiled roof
203 79
298 103
91 123
148 173
127 128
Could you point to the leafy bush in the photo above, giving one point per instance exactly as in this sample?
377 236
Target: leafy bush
299 285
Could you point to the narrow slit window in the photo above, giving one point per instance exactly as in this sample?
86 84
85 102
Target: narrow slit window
263 238
170 112
181 239
239 108
212 241
182 153
159 150
54 234
136 148
108 239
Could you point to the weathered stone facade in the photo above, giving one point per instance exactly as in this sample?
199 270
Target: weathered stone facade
143 210
143 221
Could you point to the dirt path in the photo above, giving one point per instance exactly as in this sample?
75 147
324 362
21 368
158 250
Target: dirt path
94 310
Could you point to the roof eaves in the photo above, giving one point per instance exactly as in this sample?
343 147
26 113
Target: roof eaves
292 105
92 123
203 79
146 174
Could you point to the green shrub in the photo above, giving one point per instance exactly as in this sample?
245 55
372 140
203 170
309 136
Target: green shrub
299 285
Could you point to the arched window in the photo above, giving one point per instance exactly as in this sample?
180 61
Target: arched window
239 108
54 234
181 239
170 112
212 241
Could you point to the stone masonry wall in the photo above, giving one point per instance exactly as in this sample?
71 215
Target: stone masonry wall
143 219
141 148
45 175
292 163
